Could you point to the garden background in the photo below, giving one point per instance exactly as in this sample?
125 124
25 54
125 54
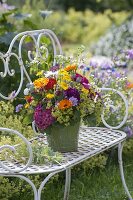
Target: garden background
105 28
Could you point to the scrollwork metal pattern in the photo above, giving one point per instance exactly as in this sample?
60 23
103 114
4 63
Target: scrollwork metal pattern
12 148
36 37
126 109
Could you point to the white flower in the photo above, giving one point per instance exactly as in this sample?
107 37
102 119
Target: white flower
49 73
26 91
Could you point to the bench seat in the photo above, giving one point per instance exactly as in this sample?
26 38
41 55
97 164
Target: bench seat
92 141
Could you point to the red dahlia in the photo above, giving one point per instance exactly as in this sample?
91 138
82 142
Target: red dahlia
50 84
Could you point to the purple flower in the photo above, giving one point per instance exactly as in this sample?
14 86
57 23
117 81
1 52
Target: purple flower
12 95
116 74
4 6
72 92
130 54
74 101
106 65
129 131
82 66
121 63
55 68
43 118
93 64
86 86
81 79
18 107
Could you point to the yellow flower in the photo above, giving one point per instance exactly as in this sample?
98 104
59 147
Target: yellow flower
63 85
61 72
27 105
50 96
40 82
64 75
85 90
67 77
39 73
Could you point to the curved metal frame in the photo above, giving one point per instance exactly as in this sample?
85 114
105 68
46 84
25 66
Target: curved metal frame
36 37
126 109
120 148
12 148
37 192
28 181
67 183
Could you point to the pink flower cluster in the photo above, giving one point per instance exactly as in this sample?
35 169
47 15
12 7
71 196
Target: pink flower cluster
43 118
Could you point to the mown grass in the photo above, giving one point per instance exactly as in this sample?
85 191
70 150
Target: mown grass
97 184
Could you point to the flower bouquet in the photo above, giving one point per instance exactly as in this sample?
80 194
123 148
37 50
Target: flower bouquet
58 101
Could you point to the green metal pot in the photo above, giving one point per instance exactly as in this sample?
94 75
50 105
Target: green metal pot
64 139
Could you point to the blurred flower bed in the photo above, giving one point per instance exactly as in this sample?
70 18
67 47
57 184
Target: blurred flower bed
107 74
116 39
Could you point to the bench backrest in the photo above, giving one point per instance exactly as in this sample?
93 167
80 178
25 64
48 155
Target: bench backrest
36 37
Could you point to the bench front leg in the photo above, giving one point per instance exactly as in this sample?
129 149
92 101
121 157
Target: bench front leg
67 184
120 148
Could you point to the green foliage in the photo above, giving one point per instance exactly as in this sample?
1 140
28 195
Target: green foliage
9 120
75 26
7 188
83 27
98 162
95 5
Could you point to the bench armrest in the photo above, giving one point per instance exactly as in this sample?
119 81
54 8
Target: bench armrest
126 109
12 148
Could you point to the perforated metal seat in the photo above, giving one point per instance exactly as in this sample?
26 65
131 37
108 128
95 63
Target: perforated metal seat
92 141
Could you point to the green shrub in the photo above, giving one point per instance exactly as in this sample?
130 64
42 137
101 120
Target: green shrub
74 26
7 188
9 119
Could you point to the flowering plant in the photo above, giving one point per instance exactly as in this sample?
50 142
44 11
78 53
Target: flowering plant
61 97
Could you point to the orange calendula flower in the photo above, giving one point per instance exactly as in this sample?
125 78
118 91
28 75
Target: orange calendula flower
64 104
41 82
70 67
129 85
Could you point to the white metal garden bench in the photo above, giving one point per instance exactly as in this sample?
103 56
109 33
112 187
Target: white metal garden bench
92 140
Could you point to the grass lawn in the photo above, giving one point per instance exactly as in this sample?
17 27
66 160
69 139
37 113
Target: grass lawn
97 184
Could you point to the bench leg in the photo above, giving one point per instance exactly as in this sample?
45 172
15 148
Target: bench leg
67 184
28 181
44 182
120 148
